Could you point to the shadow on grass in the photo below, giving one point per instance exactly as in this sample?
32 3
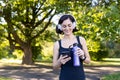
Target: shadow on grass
36 72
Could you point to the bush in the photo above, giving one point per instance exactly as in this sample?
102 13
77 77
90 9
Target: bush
36 50
100 54
117 54
4 52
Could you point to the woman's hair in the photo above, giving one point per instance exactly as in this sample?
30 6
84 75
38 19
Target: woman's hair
65 17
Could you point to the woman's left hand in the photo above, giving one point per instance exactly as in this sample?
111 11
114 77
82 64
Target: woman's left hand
80 52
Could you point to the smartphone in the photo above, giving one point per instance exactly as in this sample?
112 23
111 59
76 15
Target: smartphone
65 53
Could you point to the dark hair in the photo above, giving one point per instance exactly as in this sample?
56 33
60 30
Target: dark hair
64 17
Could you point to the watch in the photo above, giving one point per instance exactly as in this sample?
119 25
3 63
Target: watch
83 58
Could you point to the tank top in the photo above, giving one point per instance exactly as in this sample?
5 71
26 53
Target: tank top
68 71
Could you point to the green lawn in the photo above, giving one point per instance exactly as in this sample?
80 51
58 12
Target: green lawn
3 78
106 62
115 76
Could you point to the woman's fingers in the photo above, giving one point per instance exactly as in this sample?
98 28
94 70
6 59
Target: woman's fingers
64 59
80 52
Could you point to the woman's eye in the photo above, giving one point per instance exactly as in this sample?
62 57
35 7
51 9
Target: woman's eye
64 26
69 25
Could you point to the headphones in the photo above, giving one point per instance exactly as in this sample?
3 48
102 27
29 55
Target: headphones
60 27
64 17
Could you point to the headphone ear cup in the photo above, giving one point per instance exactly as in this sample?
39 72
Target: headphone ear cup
59 27
58 30
74 24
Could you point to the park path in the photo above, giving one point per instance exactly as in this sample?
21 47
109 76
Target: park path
42 72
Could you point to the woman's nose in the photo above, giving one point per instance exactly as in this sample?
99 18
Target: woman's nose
67 27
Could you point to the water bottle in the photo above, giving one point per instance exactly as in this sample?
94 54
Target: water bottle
76 61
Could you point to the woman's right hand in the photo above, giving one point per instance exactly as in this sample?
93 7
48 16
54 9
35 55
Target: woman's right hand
64 59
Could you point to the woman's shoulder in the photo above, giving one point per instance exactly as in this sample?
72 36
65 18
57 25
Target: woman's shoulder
56 44
81 38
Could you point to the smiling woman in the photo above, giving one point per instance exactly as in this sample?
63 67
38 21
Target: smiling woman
63 53
70 22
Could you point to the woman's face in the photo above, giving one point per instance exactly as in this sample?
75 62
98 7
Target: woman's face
67 27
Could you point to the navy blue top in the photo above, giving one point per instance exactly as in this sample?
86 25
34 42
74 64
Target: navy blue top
68 71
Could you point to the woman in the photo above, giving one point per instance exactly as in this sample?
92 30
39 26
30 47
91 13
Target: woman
63 54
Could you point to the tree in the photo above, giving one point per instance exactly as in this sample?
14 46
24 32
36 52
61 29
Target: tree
99 24
26 20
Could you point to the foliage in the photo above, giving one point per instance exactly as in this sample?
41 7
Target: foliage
36 50
47 51
115 52
27 20
100 54
42 50
111 23
4 49
99 24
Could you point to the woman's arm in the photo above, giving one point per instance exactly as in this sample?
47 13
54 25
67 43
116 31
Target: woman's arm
85 50
61 60
56 61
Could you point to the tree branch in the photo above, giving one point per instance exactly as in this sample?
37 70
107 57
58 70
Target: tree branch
13 43
8 17
35 11
39 22
47 24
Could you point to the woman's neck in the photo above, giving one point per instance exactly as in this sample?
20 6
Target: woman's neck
69 36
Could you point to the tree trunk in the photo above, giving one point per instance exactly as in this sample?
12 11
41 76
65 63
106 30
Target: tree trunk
27 58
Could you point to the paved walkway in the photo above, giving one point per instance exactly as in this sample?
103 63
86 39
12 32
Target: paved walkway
41 72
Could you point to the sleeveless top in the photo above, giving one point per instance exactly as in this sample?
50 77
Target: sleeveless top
68 71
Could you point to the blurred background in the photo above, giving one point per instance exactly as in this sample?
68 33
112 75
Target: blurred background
27 28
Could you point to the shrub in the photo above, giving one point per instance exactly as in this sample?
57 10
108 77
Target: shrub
100 54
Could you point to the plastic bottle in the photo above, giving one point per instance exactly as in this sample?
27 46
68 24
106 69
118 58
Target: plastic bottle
76 61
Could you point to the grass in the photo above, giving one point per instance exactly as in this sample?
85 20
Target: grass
115 76
7 62
106 62
4 78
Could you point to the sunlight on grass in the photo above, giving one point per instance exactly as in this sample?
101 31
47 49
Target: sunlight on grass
105 62
112 59
44 63
13 62
10 61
